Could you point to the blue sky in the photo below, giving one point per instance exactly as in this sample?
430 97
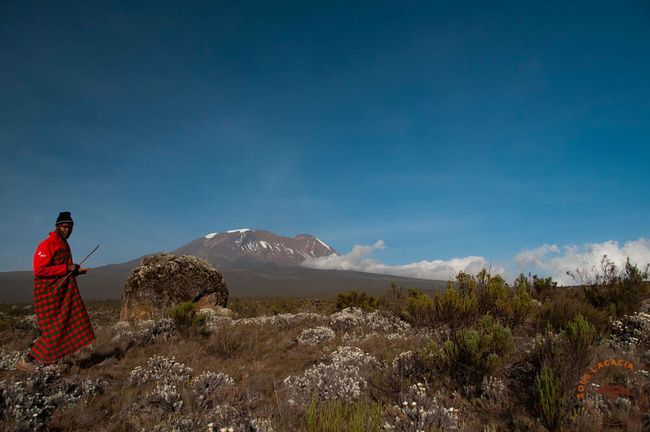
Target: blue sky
516 133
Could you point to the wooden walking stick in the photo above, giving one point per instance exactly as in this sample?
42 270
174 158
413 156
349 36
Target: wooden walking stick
69 274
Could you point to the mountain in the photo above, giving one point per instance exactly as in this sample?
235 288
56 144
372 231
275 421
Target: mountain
255 263
245 248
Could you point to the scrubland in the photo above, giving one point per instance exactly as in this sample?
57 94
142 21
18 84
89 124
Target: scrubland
484 355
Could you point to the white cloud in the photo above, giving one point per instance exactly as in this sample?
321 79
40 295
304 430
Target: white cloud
440 270
551 261
545 261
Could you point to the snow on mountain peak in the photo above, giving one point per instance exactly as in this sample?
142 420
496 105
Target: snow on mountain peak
242 230
211 235
321 242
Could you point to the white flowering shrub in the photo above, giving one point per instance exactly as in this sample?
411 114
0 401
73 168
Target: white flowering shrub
343 376
207 384
28 404
162 370
420 412
214 319
291 321
354 319
630 332
316 336
174 379
348 319
8 359
227 418
145 332
403 365
169 375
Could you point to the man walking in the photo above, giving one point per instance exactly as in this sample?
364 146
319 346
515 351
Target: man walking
62 318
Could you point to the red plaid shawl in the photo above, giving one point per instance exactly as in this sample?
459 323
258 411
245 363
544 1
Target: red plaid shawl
62 318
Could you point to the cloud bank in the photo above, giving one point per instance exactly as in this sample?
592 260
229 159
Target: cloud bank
357 260
545 261
553 261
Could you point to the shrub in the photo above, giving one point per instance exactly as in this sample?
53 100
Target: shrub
359 300
420 411
494 296
551 401
182 314
316 336
342 377
563 307
200 325
465 283
617 292
394 299
455 308
543 287
478 352
522 306
558 362
186 319
484 294
581 334
419 309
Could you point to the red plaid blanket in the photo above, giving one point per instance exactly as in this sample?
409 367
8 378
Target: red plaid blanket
61 314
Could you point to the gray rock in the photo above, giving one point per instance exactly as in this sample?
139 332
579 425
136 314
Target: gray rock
163 281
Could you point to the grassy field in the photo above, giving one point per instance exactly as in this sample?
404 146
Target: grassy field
482 356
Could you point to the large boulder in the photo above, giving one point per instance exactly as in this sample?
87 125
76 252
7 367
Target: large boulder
163 281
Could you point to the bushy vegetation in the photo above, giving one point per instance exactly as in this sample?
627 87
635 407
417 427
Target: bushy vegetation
359 300
482 355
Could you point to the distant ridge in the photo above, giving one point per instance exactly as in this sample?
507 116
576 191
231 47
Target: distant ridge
255 263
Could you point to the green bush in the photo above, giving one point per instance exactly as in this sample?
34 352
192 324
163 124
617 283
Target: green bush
359 300
470 297
419 309
478 352
561 309
494 297
551 400
580 333
522 307
454 307
485 294
187 320
559 360
543 287
465 283
200 325
182 314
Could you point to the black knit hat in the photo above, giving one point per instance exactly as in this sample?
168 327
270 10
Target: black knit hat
64 217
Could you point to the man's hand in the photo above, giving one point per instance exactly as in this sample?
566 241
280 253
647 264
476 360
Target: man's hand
74 268
83 270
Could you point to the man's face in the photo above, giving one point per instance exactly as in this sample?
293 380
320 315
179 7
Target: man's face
64 230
